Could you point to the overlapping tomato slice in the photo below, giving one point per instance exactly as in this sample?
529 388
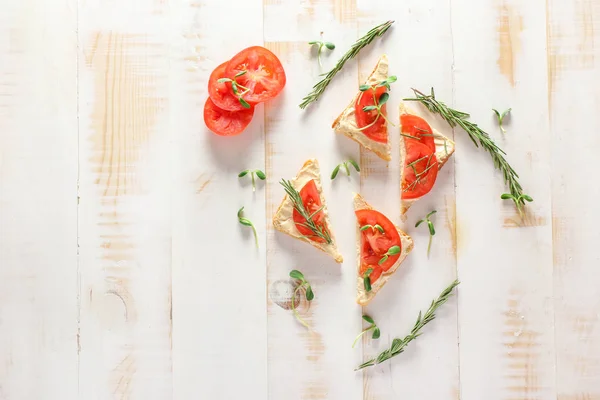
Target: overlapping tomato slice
312 202
226 123
262 71
257 75
375 244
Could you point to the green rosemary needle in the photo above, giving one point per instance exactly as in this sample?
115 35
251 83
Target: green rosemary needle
320 86
398 345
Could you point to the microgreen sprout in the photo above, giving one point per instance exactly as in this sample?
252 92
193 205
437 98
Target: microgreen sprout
372 327
321 44
501 118
344 165
261 175
302 286
430 226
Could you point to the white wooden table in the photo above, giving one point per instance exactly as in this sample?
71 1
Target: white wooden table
125 275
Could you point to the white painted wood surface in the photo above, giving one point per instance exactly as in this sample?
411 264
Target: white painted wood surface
125 275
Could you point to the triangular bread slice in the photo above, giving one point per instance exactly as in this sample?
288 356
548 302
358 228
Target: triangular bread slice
365 297
346 122
444 148
283 219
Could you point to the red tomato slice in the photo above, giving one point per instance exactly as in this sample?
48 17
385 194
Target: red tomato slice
375 244
417 127
378 131
221 93
312 202
420 170
226 123
264 75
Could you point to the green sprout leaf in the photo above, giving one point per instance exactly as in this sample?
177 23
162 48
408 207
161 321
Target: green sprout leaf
376 333
296 274
261 175
309 293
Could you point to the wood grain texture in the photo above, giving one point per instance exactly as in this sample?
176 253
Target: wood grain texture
574 67
506 324
124 209
434 356
38 200
316 364
219 278
124 273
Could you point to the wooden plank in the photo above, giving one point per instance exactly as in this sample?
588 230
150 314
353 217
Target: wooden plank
315 364
125 207
505 312
573 71
434 357
219 291
38 200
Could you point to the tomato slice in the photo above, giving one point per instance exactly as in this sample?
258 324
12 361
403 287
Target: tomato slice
377 131
420 170
374 244
413 125
312 202
264 77
226 123
221 93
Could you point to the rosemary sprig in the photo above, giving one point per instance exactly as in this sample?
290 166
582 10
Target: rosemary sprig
317 230
261 175
430 226
392 251
344 164
372 327
320 86
501 118
398 345
235 86
321 44
479 137
304 286
246 222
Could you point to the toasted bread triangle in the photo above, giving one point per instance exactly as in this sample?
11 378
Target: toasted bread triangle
345 123
363 298
283 219
444 149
